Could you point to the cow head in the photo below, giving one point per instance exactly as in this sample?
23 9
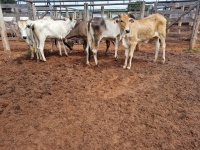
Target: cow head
70 21
123 22
22 28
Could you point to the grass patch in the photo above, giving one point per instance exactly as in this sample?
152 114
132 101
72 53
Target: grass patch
29 52
192 50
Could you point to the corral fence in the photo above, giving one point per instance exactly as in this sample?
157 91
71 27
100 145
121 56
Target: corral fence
183 17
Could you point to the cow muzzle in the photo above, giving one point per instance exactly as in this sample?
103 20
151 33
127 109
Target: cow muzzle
127 31
24 37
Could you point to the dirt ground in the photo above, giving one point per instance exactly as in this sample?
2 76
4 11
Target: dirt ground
63 104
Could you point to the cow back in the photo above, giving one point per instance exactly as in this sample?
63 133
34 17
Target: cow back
98 25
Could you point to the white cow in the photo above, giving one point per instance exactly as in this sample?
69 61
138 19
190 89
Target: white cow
49 29
26 35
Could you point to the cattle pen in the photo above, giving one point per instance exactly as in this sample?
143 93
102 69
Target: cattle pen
67 105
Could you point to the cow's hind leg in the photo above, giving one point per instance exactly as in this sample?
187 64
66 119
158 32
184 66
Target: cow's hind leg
163 44
157 49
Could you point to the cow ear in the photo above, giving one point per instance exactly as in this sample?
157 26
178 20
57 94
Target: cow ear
131 20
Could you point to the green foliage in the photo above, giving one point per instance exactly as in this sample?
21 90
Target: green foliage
29 52
7 1
136 6
192 50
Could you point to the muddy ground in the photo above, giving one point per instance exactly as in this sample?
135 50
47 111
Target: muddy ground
65 104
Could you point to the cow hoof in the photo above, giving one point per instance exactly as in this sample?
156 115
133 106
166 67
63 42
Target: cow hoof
124 67
154 60
163 61
128 67
116 58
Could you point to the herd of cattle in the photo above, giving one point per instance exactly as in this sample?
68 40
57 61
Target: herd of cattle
123 28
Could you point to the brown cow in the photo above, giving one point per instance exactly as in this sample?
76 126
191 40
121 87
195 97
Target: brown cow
134 31
80 32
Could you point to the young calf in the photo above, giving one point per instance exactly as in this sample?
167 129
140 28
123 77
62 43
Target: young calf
134 31
98 29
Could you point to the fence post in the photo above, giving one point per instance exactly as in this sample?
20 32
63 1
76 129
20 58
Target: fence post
180 23
142 9
86 14
3 32
34 12
195 27
74 14
102 11
80 15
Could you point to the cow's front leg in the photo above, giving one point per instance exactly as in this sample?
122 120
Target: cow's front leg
116 48
52 44
126 58
131 52
64 47
41 50
96 45
32 51
59 47
88 45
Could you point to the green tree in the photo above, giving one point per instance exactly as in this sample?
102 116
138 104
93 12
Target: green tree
7 1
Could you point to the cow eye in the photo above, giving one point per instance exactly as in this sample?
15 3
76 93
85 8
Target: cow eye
121 20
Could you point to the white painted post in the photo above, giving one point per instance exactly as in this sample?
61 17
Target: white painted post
86 14
102 11
3 32
195 27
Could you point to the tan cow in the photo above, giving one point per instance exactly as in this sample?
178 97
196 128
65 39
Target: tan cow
134 31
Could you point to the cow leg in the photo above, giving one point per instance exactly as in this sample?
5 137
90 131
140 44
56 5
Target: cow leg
157 49
41 49
116 48
52 44
64 47
89 41
107 46
95 49
131 52
163 48
84 44
126 58
59 47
